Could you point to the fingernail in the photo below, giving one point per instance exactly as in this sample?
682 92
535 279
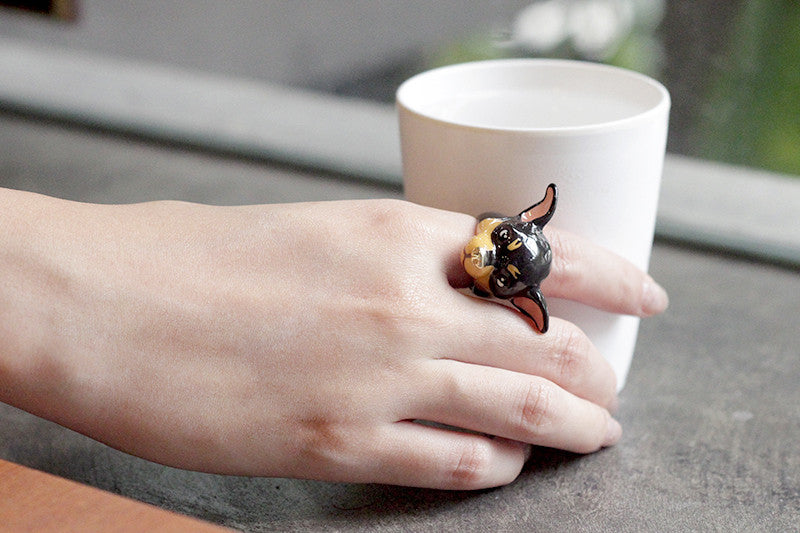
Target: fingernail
654 298
613 432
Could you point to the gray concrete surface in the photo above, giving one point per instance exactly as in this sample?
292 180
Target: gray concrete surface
711 410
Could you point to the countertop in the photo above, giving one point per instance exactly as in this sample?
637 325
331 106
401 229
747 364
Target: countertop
711 409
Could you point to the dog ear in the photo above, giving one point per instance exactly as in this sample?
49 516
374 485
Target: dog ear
534 306
541 213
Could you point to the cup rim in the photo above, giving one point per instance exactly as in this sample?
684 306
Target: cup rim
662 104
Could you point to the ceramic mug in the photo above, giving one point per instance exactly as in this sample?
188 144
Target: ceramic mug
491 135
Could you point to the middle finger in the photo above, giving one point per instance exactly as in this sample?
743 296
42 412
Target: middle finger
489 334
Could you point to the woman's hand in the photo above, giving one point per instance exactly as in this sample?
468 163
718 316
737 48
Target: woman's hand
300 340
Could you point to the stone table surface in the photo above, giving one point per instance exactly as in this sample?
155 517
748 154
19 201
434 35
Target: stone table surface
711 409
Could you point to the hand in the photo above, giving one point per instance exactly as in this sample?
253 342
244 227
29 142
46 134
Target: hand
304 340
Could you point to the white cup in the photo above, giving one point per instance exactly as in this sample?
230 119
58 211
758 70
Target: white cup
491 135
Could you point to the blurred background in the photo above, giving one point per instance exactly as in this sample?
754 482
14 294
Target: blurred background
732 67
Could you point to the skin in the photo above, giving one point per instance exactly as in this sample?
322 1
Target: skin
298 340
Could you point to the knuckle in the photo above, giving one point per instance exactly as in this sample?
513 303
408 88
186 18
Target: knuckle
392 215
534 411
627 294
566 258
399 246
571 354
457 386
321 441
470 466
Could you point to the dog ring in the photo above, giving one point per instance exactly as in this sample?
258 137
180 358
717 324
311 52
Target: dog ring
509 258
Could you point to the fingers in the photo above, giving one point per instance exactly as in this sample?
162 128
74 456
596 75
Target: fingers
495 377
497 336
419 455
580 271
515 406
597 277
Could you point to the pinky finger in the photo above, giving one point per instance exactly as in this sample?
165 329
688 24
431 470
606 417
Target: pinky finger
424 456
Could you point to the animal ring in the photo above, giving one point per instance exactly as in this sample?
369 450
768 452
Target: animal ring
509 257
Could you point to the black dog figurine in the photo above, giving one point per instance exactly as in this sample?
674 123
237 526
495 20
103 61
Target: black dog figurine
509 257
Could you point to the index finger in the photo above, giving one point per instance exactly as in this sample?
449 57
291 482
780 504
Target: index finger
587 273
580 271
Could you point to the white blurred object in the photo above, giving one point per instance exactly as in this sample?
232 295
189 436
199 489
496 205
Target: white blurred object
542 26
598 26
595 29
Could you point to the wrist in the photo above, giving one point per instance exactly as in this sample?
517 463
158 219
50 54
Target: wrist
32 290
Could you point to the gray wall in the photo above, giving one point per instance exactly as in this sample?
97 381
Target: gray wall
289 42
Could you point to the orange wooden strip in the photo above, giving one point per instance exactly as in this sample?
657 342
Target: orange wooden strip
36 501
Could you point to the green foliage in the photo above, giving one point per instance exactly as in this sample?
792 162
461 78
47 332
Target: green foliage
752 116
751 112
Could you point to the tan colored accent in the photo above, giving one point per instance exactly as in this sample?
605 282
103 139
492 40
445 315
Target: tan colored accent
514 245
481 240
487 225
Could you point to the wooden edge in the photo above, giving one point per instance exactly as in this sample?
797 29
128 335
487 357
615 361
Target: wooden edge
31 500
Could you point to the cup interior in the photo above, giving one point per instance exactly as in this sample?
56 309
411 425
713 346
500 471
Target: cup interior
534 94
